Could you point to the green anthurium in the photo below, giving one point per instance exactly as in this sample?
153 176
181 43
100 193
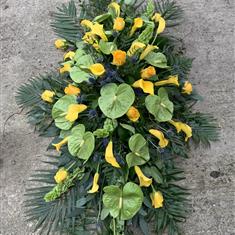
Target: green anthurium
81 143
59 111
124 202
139 151
115 100
157 59
78 75
160 106
107 47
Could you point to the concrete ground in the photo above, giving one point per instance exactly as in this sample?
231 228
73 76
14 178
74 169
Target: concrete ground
27 50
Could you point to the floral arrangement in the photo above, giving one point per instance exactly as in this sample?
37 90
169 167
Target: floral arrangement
120 112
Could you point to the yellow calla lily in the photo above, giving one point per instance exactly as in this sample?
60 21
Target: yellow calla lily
187 88
163 142
87 23
109 157
98 29
89 38
157 199
97 69
138 23
72 90
60 144
180 126
144 180
147 50
146 86
95 186
74 110
61 175
60 43
135 46
148 72
69 55
65 68
116 8
172 80
119 24
161 22
119 57
133 114
47 96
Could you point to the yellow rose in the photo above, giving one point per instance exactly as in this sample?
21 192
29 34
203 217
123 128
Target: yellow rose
60 43
119 57
133 114
119 24
72 90
187 88
61 175
97 69
48 96
148 72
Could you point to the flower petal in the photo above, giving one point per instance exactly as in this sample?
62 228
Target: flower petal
47 96
172 80
74 110
61 175
144 181
146 86
95 186
180 126
157 199
97 69
109 157
72 90
163 142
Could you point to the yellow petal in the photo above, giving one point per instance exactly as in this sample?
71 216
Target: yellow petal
95 186
147 50
133 114
97 69
116 8
98 30
144 181
72 90
47 96
146 86
96 46
135 47
89 38
163 142
187 88
87 24
157 199
172 80
60 43
119 24
138 23
74 110
180 126
60 144
148 72
69 55
119 57
61 175
109 157
65 68
161 22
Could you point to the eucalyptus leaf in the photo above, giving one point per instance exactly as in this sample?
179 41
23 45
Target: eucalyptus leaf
78 75
157 59
107 47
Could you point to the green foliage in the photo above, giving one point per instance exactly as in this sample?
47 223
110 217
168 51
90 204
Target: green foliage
157 59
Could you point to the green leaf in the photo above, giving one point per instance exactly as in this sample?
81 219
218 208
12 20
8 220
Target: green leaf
115 100
157 59
129 2
160 106
155 173
107 47
59 111
128 127
81 143
85 60
140 152
79 53
124 203
78 75
102 17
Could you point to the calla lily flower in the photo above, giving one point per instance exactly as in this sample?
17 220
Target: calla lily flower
47 96
98 29
138 23
87 23
109 156
116 8
144 181
157 199
133 114
60 43
72 90
148 72
172 80
135 46
180 126
161 22
119 24
119 57
97 69
60 144
163 142
89 38
61 175
146 86
147 50
69 55
74 110
95 186
187 88
65 68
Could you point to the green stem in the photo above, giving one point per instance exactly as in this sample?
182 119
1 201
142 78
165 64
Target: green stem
114 227
154 39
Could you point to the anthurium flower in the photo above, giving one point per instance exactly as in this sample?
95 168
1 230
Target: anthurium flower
187 88
119 57
180 126
144 180
60 43
161 22
61 175
95 186
133 114
119 24
116 8
72 90
74 110
109 156
87 24
172 80
135 46
97 69
147 50
138 23
65 68
148 72
69 55
146 86
163 142
97 29
48 96
157 199
60 144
